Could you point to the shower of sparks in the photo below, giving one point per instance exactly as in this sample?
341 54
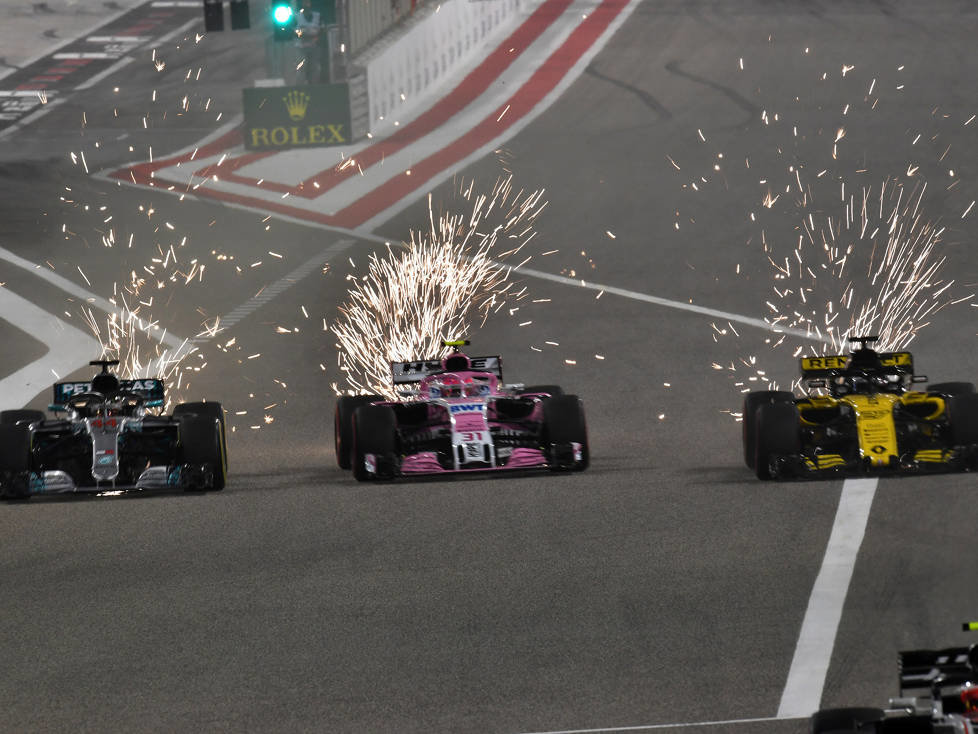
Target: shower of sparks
850 249
138 344
874 270
435 286
819 289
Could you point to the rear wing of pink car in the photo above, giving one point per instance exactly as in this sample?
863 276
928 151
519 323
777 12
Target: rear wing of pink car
404 373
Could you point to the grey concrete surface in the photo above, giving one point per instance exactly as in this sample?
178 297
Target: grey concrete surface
665 585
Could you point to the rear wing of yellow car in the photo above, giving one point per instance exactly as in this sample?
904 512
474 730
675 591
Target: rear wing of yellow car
817 368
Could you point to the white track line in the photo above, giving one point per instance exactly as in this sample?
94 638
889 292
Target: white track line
176 32
680 305
802 693
652 727
73 289
806 678
120 64
68 348
28 119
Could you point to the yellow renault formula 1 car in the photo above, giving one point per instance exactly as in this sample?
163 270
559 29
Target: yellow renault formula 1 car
861 416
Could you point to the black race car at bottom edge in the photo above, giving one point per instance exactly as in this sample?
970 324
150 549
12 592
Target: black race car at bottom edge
948 679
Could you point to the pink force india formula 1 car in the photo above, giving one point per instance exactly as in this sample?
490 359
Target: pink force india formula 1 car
456 416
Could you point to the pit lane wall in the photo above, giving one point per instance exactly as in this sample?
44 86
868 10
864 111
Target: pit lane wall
436 41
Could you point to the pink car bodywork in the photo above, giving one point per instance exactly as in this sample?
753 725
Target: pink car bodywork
464 420
471 429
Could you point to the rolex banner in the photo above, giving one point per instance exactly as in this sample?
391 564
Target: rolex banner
313 115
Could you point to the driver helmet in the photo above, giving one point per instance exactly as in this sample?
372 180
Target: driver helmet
456 386
105 383
859 383
865 359
888 381
446 386
456 362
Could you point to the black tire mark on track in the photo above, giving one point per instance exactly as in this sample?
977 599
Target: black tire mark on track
647 98
753 112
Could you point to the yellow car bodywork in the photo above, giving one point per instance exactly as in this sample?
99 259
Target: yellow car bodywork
875 426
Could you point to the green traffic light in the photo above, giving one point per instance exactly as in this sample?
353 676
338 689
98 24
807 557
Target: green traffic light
282 14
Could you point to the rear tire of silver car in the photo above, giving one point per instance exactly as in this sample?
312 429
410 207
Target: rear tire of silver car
375 433
203 439
962 413
952 388
749 418
346 405
209 409
776 434
564 425
9 417
15 460
845 720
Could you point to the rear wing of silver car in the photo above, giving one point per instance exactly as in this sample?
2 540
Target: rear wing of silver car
150 389
405 373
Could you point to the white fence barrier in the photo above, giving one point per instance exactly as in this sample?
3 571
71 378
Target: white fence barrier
438 39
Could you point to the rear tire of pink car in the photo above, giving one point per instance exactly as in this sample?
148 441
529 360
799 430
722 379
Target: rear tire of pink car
563 426
343 425
374 434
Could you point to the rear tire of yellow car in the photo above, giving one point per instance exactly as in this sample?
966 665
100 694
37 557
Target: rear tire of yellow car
748 419
776 434
962 412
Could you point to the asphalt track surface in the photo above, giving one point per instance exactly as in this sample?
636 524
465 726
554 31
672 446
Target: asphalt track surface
665 585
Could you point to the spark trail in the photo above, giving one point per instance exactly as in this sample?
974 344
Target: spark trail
435 286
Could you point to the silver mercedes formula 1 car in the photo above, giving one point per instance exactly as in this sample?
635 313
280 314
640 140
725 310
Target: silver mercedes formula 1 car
110 434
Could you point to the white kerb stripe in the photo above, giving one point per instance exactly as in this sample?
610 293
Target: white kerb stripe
810 664
85 55
117 39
